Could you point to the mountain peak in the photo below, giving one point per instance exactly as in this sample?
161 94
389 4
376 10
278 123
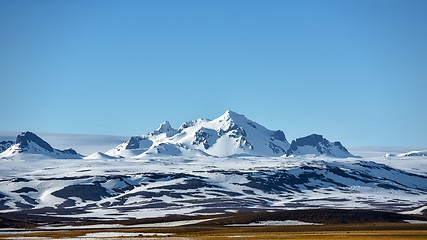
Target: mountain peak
316 144
25 138
164 127
231 115
30 143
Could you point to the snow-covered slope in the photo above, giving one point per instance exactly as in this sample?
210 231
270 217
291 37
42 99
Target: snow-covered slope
317 145
29 144
140 144
231 134
125 188
414 154
99 156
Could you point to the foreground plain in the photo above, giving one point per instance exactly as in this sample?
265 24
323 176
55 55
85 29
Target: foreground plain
310 224
342 231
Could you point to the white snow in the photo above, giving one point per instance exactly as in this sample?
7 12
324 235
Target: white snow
16 231
417 211
120 226
99 156
415 221
386 152
274 223
414 154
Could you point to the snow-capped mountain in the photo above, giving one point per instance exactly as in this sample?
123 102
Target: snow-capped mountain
29 143
315 144
230 134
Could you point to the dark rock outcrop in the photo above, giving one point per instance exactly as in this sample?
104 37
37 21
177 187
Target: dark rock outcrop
317 144
5 145
25 138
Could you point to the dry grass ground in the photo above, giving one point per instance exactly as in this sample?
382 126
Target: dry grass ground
378 235
346 231
376 231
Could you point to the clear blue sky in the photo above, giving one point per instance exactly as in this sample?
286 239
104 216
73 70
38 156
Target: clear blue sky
354 71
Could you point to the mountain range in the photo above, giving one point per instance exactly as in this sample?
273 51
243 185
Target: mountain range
229 135
228 164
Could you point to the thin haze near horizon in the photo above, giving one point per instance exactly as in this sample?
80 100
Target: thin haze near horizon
354 71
